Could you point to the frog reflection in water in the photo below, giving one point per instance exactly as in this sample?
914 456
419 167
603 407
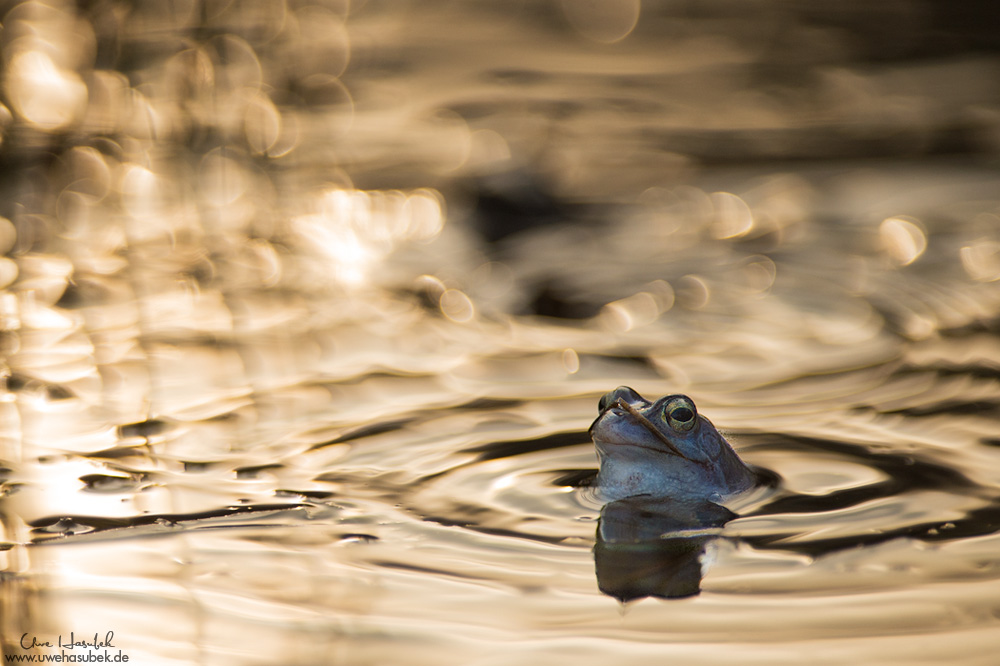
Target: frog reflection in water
663 468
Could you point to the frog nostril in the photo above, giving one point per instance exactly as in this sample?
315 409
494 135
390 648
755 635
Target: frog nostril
604 402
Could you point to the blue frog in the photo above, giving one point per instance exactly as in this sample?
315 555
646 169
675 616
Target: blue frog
663 449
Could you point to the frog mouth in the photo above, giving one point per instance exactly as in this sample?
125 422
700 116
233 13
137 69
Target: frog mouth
645 423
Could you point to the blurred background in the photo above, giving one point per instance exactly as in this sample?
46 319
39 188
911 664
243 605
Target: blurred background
305 309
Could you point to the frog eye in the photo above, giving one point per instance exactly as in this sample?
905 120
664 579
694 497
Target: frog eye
680 414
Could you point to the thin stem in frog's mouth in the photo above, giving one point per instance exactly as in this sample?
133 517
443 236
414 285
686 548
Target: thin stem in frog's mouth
621 404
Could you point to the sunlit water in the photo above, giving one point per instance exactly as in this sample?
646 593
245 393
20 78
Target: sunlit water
282 386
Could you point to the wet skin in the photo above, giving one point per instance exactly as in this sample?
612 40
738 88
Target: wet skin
663 449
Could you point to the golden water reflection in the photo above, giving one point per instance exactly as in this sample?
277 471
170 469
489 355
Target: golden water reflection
306 307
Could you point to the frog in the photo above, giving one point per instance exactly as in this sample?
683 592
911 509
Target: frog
663 449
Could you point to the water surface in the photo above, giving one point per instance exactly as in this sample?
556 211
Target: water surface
307 309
